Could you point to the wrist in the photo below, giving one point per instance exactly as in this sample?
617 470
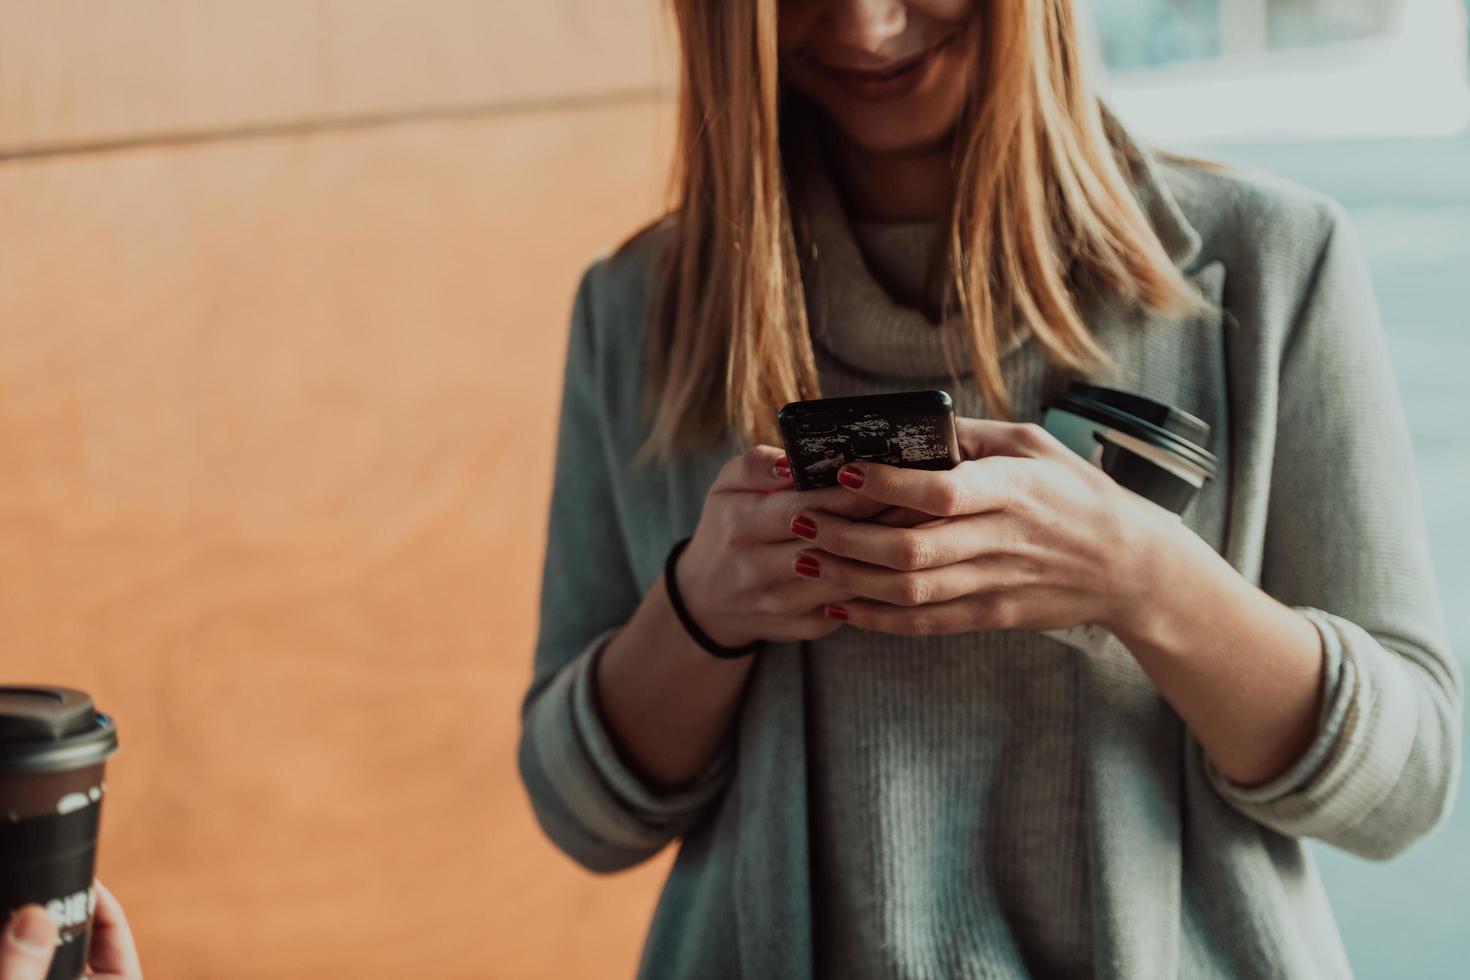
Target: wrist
690 584
1181 585
1149 577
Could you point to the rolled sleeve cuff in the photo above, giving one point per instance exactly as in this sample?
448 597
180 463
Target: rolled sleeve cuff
1364 737
594 782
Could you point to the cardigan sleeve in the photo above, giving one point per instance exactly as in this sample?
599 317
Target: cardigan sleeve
1346 545
588 798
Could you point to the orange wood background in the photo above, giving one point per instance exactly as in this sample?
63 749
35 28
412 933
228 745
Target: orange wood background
284 291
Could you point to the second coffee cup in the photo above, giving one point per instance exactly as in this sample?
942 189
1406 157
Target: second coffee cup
1156 450
54 746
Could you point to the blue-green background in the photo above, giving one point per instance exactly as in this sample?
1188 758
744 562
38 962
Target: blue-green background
1410 201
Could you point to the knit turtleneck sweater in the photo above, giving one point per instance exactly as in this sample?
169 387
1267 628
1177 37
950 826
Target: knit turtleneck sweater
948 822
997 803
874 289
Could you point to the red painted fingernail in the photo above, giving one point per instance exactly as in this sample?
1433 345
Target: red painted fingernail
849 477
782 468
803 528
808 566
836 612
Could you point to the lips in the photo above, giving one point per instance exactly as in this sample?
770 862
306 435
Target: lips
891 81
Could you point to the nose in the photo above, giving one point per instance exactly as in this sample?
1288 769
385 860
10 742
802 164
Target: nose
867 25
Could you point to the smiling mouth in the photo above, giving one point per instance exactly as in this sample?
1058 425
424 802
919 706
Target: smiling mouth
890 74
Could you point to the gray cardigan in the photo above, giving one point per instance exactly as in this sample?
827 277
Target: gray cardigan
1317 503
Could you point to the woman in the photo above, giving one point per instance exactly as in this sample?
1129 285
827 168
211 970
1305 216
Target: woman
888 770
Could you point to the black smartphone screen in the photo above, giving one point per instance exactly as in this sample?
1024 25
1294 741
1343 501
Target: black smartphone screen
904 428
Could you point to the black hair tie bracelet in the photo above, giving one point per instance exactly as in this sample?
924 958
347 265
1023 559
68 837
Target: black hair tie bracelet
699 635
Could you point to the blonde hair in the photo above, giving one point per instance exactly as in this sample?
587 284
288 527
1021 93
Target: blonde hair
1042 212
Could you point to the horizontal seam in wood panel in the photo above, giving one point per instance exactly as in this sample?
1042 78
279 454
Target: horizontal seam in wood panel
297 127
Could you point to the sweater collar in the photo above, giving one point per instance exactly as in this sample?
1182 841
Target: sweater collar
854 320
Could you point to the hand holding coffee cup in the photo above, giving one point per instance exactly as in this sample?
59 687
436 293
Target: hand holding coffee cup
54 747
30 937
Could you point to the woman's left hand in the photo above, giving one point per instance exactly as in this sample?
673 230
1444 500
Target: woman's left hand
1025 535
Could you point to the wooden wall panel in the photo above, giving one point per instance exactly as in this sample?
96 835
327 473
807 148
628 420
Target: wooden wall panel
85 71
276 423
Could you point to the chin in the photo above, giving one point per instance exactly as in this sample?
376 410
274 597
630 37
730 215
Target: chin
898 133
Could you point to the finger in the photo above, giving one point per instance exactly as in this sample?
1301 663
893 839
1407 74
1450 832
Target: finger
755 470
113 949
936 543
903 517
979 438
812 625
1034 607
771 516
30 941
844 504
972 487
1000 610
784 590
906 588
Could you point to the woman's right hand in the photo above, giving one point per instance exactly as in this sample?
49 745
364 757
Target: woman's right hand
736 575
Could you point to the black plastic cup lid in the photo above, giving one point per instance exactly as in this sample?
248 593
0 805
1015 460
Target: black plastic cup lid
1166 417
51 729
1171 429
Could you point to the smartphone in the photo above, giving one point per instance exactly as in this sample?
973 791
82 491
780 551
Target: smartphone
902 428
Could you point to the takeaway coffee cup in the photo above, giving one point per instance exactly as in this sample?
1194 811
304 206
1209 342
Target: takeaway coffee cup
1156 450
54 746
